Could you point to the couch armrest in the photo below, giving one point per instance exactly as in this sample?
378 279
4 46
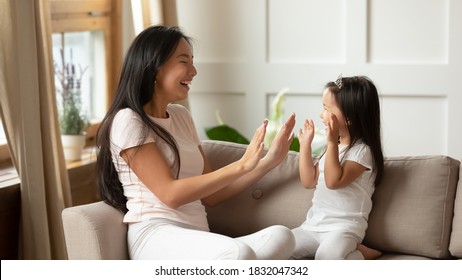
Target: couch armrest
95 231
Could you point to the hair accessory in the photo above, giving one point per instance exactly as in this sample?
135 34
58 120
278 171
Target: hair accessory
338 82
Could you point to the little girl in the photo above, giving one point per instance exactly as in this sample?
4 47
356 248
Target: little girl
346 175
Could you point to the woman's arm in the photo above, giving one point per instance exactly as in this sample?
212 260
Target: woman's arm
276 154
149 165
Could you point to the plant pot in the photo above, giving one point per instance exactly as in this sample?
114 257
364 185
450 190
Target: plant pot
73 146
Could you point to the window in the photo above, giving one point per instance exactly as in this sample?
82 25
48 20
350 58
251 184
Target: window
4 153
86 51
90 31
2 135
94 25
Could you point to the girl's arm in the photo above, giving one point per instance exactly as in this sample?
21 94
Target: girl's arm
150 167
308 171
276 154
338 176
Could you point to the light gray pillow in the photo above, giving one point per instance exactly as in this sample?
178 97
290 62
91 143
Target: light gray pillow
413 206
455 245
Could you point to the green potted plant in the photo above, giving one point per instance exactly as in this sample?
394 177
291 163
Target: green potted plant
73 121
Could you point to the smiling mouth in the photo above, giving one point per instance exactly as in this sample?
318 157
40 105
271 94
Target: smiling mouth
185 83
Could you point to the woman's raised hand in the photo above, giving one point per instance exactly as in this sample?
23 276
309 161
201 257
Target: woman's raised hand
281 143
255 149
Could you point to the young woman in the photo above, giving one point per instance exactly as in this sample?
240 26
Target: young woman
346 175
152 167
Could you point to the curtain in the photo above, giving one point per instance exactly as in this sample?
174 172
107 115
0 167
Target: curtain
169 12
28 109
155 12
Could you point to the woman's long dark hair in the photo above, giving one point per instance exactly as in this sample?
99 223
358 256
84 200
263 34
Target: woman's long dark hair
148 52
358 100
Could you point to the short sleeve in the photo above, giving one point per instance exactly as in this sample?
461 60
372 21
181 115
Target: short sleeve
361 154
128 130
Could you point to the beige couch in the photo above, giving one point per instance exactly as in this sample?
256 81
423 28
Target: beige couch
417 212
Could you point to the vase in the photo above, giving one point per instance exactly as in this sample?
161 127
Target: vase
73 146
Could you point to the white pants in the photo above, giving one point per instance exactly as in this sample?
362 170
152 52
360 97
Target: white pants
335 245
147 240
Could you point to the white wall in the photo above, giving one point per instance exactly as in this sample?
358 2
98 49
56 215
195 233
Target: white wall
246 51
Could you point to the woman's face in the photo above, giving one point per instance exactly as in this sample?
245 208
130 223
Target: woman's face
330 107
175 76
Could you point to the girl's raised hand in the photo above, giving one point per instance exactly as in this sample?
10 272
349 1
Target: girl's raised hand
254 150
332 130
306 134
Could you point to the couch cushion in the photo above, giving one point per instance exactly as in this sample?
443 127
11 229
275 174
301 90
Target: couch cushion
455 245
413 206
277 198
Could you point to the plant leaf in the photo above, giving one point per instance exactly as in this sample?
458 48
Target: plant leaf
295 145
225 133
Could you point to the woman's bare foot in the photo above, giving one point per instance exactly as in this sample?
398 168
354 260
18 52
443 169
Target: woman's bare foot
368 253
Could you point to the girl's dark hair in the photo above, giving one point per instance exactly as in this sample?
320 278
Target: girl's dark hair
148 52
358 100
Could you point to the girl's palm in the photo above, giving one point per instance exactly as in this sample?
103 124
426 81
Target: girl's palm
306 135
332 129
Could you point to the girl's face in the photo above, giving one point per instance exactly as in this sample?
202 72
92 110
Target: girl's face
330 107
175 76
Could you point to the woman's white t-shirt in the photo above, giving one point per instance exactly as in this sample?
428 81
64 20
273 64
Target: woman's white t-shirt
126 132
346 208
